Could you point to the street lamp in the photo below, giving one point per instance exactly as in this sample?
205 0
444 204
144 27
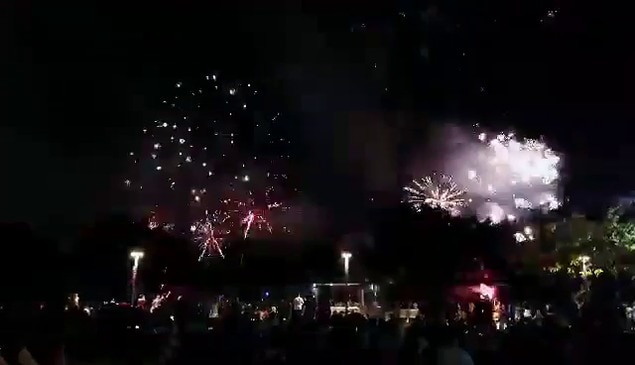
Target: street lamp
136 256
346 256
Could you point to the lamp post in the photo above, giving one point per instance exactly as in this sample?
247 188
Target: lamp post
136 256
346 256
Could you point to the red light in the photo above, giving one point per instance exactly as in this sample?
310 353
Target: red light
489 292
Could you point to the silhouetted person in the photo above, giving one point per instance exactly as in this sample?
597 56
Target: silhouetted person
450 353
298 306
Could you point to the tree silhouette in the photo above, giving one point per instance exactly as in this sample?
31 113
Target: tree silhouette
31 268
169 260
256 263
426 251
101 258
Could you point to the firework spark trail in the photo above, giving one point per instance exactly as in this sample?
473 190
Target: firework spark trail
255 218
153 222
248 221
437 192
258 217
208 237
213 149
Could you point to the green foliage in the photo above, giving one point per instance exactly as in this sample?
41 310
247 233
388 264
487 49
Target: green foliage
619 232
607 243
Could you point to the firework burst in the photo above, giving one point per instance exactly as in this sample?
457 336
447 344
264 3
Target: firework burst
495 177
511 175
214 161
436 192
209 234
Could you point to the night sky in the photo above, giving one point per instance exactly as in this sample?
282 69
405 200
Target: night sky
80 80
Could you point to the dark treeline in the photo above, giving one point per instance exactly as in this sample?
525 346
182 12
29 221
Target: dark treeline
417 250
31 267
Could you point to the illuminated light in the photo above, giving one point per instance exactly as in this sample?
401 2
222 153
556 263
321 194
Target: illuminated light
487 292
346 256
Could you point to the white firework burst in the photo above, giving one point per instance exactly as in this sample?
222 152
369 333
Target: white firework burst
436 191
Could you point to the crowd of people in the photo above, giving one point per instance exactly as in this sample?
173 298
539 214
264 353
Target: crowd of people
466 334
297 330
